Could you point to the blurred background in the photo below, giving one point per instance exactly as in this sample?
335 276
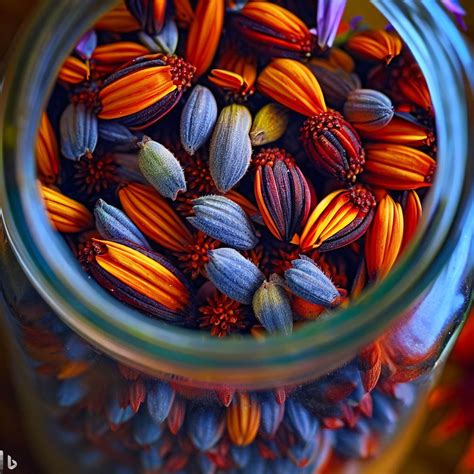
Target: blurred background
444 444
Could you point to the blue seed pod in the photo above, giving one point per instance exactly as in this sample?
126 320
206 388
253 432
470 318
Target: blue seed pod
272 307
306 280
304 452
233 274
300 420
117 415
353 442
117 135
78 131
271 416
197 119
256 464
205 427
76 348
384 416
159 400
230 151
114 224
70 392
224 220
145 431
164 42
241 454
161 169
206 465
150 459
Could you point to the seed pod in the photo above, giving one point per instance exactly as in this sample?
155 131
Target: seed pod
272 307
144 430
397 167
375 45
161 169
113 224
241 455
338 220
109 57
205 426
292 84
71 392
86 45
412 213
273 30
249 208
165 42
269 124
336 83
154 217
306 280
243 419
117 135
117 20
79 133
74 71
282 193
368 109
333 146
328 18
384 238
65 214
164 78
300 420
271 416
230 150
224 220
160 398
413 87
369 363
176 415
197 119
47 156
149 13
184 13
204 34
116 414
138 277
233 274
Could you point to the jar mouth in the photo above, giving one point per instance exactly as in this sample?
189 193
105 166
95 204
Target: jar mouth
159 348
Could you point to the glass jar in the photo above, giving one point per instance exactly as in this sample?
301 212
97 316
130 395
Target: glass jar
110 390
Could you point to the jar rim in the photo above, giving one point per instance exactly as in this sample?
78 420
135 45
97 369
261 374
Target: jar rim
159 348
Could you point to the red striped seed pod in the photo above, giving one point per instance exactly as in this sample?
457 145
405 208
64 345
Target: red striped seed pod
243 419
375 45
74 71
412 213
47 155
107 58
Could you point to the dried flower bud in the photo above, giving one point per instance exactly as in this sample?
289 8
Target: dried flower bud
165 42
269 124
271 416
47 156
113 224
79 133
333 145
230 150
224 220
149 13
164 78
117 135
154 217
292 84
205 426
205 34
282 193
384 238
243 419
272 307
159 400
274 30
138 277
375 45
300 420
74 71
338 220
368 109
65 214
233 274
412 213
397 167
111 56
306 280
197 119
161 169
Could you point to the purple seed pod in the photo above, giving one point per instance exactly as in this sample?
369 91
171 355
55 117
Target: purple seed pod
78 131
117 135
70 392
86 45
233 274
272 308
306 280
205 426
113 224
116 414
241 455
150 459
271 416
300 420
197 119
165 42
328 17
144 430
149 13
160 398
223 220
230 150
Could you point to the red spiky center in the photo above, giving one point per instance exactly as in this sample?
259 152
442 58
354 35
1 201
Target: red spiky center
362 198
269 156
181 71
195 257
88 250
94 174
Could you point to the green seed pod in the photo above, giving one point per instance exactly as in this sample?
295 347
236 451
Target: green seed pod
269 124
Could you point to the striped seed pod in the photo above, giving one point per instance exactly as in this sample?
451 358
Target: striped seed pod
164 78
144 430
47 155
333 146
249 208
197 119
117 135
375 45
368 109
74 71
369 363
205 426
165 42
109 57
79 131
269 124
243 419
338 220
159 400
230 150
273 30
176 415
150 14
271 416
412 213
117 20
224 220
300 420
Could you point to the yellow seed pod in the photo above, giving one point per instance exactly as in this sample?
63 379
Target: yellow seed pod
269 124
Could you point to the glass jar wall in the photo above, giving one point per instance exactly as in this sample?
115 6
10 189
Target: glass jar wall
120 393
